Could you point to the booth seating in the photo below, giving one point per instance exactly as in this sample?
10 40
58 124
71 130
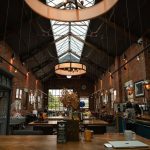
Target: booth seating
16 123
17 120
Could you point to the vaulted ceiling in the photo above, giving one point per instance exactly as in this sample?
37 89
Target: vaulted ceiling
109 35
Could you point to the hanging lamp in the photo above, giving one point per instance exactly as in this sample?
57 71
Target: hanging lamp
70 69
71 15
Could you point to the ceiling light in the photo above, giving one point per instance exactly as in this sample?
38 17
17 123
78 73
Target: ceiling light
68 77
71 15
70 69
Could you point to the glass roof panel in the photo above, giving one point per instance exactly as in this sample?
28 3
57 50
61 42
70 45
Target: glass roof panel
67 57
76 31
82 36
62 46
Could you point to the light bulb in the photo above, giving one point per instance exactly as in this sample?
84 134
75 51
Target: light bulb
16 71
138 58
68 76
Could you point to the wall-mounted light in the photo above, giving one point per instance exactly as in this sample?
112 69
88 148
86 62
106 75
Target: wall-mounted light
124 68
130 89
146 84
27 74
138 58
109 72
15 70
111 76
124 57
13 56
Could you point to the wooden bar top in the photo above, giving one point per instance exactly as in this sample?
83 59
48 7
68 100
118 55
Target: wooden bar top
49 142
44 123
144 117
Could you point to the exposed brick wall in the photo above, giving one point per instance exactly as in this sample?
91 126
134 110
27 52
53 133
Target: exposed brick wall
147 62
134 70
19 80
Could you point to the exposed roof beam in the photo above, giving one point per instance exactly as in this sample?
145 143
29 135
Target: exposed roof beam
102 69
47 77
44 75
118 28
92 75
92 70
69 51
63 54
49 73
40 66
93 47
75 54
45 44
78 25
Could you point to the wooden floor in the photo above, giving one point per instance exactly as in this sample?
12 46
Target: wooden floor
49 142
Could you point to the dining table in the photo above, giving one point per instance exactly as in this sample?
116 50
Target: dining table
94 122
49 142
98 126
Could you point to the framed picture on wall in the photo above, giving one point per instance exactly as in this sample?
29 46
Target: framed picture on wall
139 90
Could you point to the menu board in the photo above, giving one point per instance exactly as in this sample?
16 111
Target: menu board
72 130
61 132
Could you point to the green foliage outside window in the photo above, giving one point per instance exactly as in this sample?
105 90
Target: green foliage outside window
53 102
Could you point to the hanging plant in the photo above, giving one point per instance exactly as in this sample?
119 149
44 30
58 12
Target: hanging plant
69 99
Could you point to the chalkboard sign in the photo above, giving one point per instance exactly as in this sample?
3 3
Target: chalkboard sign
61 132
72 130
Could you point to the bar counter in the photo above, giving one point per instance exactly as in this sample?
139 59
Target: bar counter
49 142
144 117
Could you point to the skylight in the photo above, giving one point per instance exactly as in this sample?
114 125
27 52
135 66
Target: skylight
71 35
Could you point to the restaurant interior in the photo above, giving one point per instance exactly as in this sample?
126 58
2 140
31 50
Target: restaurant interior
74 74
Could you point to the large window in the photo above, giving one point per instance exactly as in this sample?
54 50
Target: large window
54 102
86 101
18 93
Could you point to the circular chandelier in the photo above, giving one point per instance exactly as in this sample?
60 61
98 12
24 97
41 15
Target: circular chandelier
71 15
70 69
